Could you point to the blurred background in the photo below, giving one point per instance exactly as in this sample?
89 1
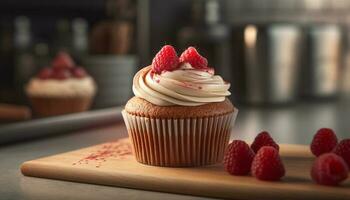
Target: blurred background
275 53
288 62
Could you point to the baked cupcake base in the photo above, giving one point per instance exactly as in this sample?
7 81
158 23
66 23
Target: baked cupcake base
179 136
179 142
51 106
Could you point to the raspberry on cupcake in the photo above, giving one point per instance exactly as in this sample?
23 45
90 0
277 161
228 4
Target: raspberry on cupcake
165 60
61 88
192 56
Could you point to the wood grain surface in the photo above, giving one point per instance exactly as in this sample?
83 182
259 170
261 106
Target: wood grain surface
113 164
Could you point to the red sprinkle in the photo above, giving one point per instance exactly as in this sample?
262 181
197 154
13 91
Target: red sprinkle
151 74
210 70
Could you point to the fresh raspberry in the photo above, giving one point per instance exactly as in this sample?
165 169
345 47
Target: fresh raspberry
165 60
62 60
45 73
191 56
238 158
263 139
267 164
61 74
343 150
324 141
78 72
329 169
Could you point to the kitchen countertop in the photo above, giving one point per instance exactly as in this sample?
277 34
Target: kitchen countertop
294 124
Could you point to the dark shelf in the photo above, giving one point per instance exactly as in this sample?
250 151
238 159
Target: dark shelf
49 126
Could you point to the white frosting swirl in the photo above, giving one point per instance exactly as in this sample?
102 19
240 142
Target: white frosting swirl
185 86
72 87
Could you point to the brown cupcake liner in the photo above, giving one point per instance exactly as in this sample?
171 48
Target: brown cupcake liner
51 106
179 142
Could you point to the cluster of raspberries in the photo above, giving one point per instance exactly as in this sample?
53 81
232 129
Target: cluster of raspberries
262 160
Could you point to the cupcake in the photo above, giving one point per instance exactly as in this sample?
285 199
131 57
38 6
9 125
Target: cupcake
61 88
180 115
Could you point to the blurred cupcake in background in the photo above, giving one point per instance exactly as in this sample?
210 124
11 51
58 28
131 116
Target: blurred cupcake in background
61 88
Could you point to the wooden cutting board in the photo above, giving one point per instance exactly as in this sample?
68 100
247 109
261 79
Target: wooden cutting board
113 164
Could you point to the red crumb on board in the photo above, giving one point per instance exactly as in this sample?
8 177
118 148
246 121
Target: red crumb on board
120 149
